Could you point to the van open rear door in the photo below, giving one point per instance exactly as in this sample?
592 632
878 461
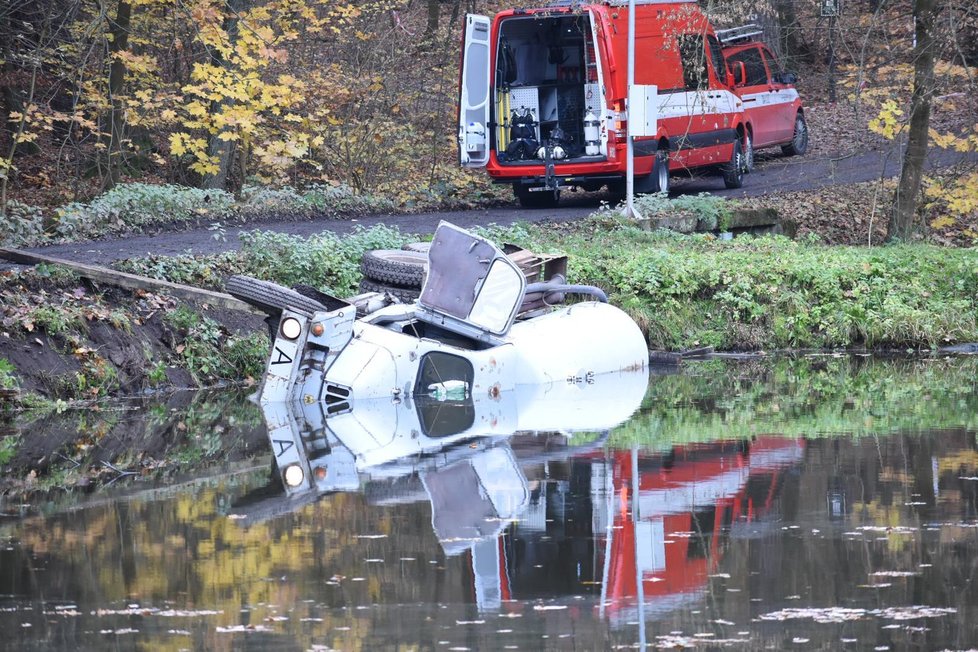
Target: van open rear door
473 105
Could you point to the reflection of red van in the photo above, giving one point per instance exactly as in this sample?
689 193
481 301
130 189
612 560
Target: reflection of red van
543 95
772 107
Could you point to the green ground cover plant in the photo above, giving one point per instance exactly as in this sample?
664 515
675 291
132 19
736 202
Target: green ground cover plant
211 354
748 293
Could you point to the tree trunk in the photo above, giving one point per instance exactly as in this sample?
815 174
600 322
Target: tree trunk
119 29
431 28
907 195
790 44
223 150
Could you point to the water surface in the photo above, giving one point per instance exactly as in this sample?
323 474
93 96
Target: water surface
821 503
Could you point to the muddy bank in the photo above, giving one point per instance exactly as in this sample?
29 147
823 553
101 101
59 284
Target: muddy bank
67 338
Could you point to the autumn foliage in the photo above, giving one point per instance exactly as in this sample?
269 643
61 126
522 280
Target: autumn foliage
228 94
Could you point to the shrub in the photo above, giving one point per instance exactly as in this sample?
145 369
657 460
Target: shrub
319 199
137 205
24 224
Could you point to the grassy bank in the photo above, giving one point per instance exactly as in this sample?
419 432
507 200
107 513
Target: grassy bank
65 339
748 293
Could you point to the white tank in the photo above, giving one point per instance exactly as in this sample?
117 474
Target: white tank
592 134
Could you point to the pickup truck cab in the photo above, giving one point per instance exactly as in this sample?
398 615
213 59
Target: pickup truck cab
772 107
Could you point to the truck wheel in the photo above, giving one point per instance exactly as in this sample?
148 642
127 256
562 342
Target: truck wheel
733 172
660 169
799 141
270 298
405 295
748 153
395 266
539 199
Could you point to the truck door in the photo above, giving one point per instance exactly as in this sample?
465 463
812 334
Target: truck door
473 104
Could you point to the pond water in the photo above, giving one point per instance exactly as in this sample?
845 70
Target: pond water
813 503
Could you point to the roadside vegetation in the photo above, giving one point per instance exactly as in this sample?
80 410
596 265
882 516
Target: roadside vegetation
749 293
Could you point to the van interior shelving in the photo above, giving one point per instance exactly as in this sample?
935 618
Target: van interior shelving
547 79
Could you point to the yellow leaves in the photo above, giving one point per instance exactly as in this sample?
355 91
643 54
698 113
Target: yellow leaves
177 144
137 63
941 222
887 123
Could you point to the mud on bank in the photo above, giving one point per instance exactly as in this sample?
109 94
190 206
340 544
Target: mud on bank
67 339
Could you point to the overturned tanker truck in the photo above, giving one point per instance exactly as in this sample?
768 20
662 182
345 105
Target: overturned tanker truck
477 330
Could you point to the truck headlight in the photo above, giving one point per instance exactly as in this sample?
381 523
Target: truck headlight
293 475
290 328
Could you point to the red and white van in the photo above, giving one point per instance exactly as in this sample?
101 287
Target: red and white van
772 106
543 98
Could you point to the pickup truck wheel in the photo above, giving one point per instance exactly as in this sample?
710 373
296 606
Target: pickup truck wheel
270 298
733 172
395 266
799 141
405 295
748 153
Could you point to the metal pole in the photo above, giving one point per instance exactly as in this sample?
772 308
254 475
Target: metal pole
630 156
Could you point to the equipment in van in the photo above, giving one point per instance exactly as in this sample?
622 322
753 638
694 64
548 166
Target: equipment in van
592 133
522 136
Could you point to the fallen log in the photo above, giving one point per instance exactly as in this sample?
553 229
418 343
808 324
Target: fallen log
130 281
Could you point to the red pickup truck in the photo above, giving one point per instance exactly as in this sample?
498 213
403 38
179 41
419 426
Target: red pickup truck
772 108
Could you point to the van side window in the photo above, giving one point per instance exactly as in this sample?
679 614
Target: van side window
753 65
716 59
693 58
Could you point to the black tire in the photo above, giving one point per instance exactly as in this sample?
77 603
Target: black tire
538 199
405 295
660 171
748 153
733 172
799 140
420 247
270 298
395 267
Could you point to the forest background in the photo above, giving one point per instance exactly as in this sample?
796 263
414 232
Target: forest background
306 105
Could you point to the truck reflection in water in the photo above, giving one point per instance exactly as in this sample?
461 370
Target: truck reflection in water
541 509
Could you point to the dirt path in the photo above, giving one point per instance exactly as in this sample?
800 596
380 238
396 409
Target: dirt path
774 173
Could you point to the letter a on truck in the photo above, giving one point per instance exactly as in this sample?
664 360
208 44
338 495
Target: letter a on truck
544 102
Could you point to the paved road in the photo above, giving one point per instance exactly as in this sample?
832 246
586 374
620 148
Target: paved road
773 173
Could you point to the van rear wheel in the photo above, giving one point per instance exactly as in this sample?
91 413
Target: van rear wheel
733 172
660 169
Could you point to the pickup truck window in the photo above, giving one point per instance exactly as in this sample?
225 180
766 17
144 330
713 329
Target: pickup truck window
754 65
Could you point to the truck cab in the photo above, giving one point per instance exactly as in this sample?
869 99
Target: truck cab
772 107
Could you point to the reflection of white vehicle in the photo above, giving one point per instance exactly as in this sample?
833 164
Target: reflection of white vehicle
409 449
460 341
316 450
